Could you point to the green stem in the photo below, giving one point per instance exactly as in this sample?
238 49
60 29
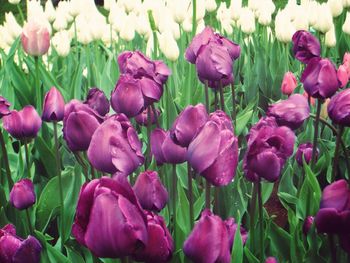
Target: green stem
194 17
20 13
92 172
333 248
207 194
261 220
252 214
174 189
206 96
155 115
233 103
190 194
317 120
27 158
124 260
37 87
29 222
222 99
216 106
6 160
336 153
58 170
82 164
148 151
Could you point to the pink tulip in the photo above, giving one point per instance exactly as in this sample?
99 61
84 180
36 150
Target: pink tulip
289 83
35 39
342 75
346 62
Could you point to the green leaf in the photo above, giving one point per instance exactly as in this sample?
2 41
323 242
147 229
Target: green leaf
237 251
183 217
198 205
46 156
242 121
251 258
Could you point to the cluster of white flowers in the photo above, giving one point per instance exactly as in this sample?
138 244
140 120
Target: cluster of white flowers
9 31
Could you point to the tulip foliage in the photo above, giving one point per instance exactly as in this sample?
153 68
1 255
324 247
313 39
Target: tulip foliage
175 131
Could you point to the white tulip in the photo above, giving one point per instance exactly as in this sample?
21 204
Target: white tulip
127 31
61 22
336 7
107 4
253 4
179 9
13 28
264 16
50 11
346 25
325 19
63 9
210 5
130 5
168 46
14 2
312 9
284 28
301 21
246 21
200 10
330 38
187 25
109 35
61 42
227 26
235 9
117 17
142 25
223 13
346 3
6 36
200 26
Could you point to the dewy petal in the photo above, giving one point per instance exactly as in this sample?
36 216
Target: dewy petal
335 195
9 244
28 252
151 90
267 165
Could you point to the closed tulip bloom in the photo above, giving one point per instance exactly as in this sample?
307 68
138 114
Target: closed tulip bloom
109 220
320 78
164 149
289 83
291 112
4 107
131 96
138 65
160 246
24 124
53 109
309 220
115 146
232 227
14 249
209 240
98 101
188 124
35 39
269 146
305 152
79 124
339 108
342 75
346 62
142 118
22 195
334 213
271 260
214 151
150 191
305 46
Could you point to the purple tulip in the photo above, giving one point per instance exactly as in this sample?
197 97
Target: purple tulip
339 108
320 78
13 249
109 220
232 228
160 245
269 146
188 124
4 107
98 101
53 109
291 112
24 124
209 240
22 195
79 124
334 214
115 146
164 149
271 260
138 65
309 220
305 151
305 46
214 151
131 96
150 191
142 118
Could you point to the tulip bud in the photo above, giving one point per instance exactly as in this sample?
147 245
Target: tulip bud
289 83
97 100
210 5
309 220
271 260
50 11
336 7
168 46
342 75
346 3
142 118
14 2
4 107
150 191
346 25
305 46
35 39
61 42
346 62
325 19
22 195
305 152
53 109
24 124
246 20
14 249
330 38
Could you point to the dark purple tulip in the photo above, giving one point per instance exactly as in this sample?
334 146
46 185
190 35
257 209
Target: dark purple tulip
160 245
131 96
334 214
16 250
142 118
232 228
305 46
53 109
150 191
79 124
320 78
271 260
290 112
22 195
214 151
304 151
339 108
109 220
188 124
4 107
225 81
209 240
164 149
115 146
309 220
233 48
98 101
138 65
24 124
269 146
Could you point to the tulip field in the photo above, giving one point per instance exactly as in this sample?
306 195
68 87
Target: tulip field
156 131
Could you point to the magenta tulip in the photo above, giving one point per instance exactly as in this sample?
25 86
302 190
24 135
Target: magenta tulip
4 107
309 220
342 75
305 152
142 118
339 108
22 195
97 100
305 46
53 109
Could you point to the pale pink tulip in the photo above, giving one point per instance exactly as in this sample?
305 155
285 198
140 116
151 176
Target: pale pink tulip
342 75
35 39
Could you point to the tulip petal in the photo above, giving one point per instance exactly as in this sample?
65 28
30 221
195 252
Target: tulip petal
335 195
28 252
